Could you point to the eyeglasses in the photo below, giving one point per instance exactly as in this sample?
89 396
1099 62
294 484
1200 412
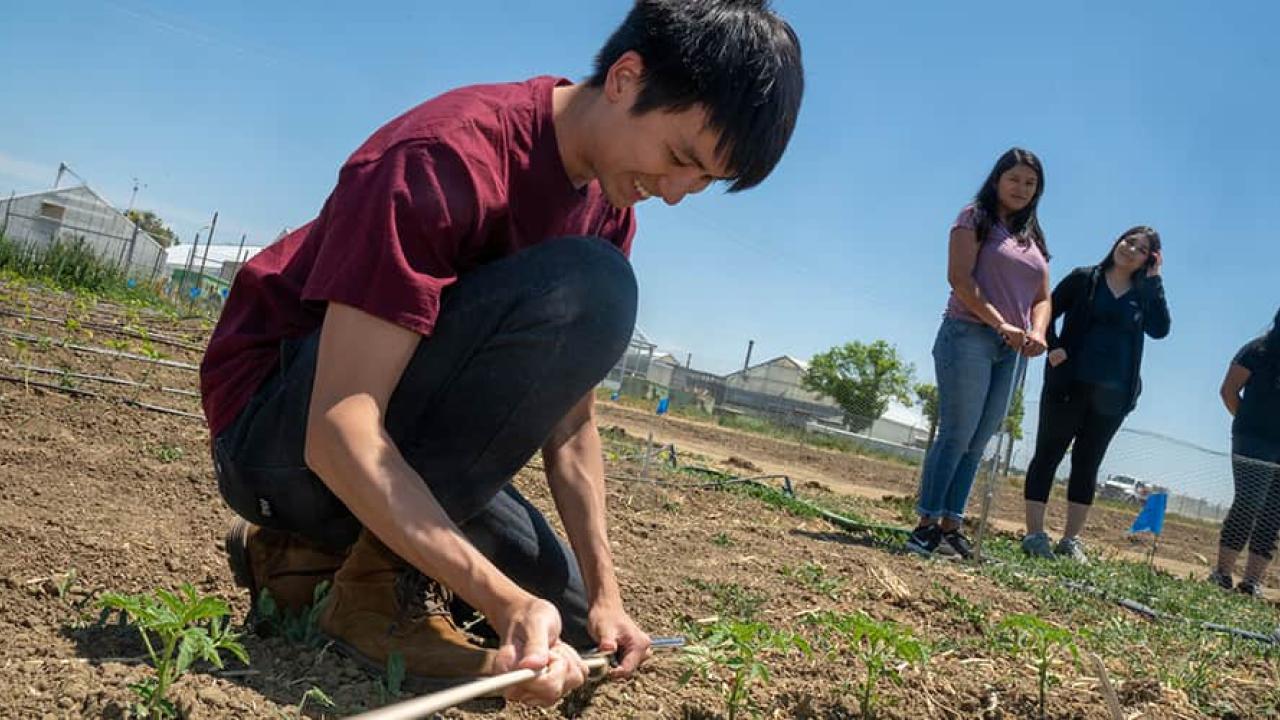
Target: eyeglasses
1133 244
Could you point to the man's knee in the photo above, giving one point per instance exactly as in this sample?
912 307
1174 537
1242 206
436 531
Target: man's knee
595 295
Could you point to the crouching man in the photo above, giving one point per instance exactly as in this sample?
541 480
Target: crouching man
379 375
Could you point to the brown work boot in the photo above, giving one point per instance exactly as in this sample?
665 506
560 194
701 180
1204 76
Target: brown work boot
286 565
380 605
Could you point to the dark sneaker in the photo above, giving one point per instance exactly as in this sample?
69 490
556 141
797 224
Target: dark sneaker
924 540
1072 549
955 543
1220 579
1037 545
1250 588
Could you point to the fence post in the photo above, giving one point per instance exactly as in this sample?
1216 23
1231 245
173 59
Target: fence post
133 241
186 270
205 258
155 268
7 208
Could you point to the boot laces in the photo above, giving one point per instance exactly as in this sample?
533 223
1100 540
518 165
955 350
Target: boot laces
418 596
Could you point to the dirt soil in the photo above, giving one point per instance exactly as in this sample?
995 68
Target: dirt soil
123 497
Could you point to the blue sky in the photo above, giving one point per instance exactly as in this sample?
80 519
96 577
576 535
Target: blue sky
1156 113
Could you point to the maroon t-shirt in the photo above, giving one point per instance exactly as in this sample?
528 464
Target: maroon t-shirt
463 179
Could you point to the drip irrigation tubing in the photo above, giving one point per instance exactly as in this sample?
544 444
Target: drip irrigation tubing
156 338
100 350
90 394
108 379
106 316
1153 614
848 524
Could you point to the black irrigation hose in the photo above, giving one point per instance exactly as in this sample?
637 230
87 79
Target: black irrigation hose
100 351
1153 614
90 394
108 379
157 338
847 524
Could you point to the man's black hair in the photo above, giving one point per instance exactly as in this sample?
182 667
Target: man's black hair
734 57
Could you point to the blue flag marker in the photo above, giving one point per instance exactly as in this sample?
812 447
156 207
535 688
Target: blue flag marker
614 396
224 293
663 404
195 293
1151 517
132 283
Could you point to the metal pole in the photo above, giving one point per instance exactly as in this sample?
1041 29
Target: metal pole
747 363
622 372
155 268
133 242
990 491
205 258
186 269
238 251
426 705
7 207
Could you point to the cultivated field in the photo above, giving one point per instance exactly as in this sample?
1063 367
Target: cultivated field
107 487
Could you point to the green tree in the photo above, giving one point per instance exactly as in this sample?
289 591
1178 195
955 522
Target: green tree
1013 425
927 395
861 378
151 224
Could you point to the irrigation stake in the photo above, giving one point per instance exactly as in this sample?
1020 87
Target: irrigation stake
427 704
445 699
1108 692
989 493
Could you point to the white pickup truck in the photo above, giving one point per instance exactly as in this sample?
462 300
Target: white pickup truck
1123 488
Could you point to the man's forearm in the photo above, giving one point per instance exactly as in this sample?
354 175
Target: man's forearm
575 472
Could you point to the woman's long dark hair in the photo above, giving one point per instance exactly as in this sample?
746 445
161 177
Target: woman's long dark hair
1153 242
1023 224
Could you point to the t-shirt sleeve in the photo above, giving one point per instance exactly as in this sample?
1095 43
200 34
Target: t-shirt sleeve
967 219
392 233
1249 355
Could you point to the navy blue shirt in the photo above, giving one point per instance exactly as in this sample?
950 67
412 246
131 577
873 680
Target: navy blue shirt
1105 357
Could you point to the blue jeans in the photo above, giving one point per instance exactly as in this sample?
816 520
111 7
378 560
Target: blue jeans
517 343
974 369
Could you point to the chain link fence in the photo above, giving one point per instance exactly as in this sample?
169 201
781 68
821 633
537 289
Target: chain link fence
767 397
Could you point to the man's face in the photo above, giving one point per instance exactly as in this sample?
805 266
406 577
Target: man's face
657 154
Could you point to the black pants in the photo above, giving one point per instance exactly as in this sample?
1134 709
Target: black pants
1255 510
1077 418
517 343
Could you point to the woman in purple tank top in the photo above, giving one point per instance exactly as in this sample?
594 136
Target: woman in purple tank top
998 267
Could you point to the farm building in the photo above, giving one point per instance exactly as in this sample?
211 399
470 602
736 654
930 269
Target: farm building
79 215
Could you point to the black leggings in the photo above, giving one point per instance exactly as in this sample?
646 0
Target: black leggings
1255 511
1076 419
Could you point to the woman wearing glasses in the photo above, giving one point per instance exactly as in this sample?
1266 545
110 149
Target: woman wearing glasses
1091 379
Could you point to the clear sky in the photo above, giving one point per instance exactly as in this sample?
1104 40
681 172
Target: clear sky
1159 113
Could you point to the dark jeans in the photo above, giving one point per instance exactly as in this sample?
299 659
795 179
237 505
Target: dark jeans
517 343
1078 418
1255 511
